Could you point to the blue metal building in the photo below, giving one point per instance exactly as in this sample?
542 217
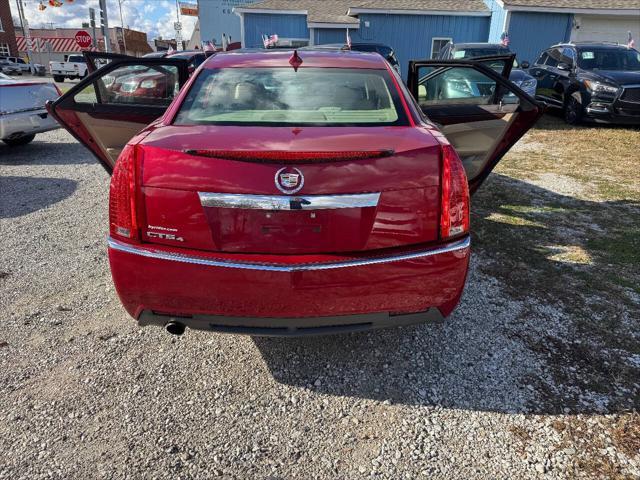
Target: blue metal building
414 28
417 29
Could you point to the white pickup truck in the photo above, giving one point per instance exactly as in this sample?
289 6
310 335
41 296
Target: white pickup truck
74 67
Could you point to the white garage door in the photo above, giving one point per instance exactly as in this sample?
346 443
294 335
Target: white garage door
606 29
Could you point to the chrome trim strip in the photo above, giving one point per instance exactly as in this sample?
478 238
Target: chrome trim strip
270 267
288 202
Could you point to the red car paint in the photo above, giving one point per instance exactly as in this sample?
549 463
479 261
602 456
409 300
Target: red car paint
178 258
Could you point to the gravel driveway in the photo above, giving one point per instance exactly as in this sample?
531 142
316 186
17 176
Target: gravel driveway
85 393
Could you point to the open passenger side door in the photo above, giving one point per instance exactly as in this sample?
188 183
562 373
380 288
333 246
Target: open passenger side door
106 109
477 108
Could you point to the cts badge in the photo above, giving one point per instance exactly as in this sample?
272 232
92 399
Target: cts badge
289 180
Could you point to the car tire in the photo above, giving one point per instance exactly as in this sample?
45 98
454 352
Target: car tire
16 142
58 78
572 111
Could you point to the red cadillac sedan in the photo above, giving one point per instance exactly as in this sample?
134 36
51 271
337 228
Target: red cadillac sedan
292 193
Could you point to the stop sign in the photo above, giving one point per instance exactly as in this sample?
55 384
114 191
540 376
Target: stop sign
83 39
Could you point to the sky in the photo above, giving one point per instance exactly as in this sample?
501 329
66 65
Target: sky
155 17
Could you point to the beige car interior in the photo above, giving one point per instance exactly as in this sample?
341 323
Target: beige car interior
110 136
476 141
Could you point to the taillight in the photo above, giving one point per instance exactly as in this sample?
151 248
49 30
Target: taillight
122 196
454 203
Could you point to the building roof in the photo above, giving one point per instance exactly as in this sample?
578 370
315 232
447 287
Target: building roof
337 11
577 4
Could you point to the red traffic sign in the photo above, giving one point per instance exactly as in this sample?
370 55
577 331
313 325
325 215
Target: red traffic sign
83 39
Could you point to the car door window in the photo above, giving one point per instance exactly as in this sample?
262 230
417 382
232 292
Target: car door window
569 56
463 85
153 85
543 58
555 57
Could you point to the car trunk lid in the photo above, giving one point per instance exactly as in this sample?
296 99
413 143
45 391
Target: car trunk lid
289 190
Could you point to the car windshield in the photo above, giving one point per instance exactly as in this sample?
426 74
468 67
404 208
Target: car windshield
483 52
310 96
609 59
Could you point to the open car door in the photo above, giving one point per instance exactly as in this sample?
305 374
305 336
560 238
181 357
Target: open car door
477 108
106 109
95 60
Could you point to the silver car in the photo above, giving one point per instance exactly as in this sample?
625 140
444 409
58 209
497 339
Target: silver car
22 110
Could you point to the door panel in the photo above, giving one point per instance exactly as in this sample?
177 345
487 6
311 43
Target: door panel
479 110
105 110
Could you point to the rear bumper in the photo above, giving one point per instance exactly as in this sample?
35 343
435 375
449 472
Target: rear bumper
291 327
285 295
14 125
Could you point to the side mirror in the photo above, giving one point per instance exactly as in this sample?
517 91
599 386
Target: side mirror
525 65
564 66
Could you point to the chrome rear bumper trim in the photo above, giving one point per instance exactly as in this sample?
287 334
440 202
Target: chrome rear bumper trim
151 252
288 202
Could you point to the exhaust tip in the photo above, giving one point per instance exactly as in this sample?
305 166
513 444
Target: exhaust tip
175 328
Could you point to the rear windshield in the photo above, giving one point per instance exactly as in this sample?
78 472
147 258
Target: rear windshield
282 96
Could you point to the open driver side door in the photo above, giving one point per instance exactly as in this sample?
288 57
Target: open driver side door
478 109
106 109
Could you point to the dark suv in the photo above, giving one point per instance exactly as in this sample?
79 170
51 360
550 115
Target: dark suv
590 81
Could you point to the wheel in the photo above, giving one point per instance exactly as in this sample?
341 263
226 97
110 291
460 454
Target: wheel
15 142
58 78
572 111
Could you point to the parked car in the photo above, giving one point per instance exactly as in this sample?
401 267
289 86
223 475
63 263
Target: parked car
591 81
22 110
193 57
74 67
287 193
9 68
385 50
474 50
25 67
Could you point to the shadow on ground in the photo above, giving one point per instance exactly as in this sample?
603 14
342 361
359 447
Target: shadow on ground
23 195
549 311
40 152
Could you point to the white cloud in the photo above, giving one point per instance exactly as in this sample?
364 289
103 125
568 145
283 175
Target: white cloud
155 18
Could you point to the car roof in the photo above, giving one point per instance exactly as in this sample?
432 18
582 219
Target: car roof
323 58
612 46
480 45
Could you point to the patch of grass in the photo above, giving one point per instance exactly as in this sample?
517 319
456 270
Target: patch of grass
619 246
558 222
626 435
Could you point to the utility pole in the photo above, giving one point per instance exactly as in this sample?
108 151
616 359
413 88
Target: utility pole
25 29
92 24
124 37
104 24
178 28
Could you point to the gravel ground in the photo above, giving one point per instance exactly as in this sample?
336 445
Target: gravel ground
85 393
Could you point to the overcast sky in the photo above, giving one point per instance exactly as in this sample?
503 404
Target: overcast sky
155 17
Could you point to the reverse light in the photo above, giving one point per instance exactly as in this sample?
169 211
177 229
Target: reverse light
454 202
122 196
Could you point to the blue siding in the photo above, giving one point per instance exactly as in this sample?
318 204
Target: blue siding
498 15
216 17
285 26
411 35
331 35
531 33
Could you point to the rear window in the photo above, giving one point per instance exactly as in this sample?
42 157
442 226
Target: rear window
282 96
